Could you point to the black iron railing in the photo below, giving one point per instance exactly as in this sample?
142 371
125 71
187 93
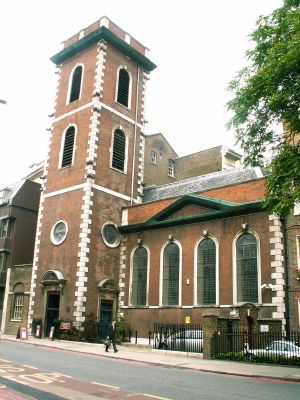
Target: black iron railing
260 347
178 337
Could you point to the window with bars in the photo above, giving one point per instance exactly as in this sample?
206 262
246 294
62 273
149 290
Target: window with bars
123 87
3 261
153 157
5 227
171 168
139 277
67 156
119 145
247 274
18 306
206 272
171 275
76 84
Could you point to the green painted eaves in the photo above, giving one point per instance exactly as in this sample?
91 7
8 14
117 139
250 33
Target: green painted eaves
114 40
225 212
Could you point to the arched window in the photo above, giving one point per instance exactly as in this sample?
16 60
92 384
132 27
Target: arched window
246 269
67 154
76 84
119 146
171 275
139 277
206 272
123 87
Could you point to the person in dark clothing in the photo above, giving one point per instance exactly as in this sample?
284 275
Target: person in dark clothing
112 336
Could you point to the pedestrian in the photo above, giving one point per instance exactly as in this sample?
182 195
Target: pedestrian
112 336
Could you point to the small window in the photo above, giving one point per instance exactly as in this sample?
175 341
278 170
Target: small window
59 232
18 306
153 157
67 156
171 170
119 144
123 87
110 234
76 84
5 227
3 261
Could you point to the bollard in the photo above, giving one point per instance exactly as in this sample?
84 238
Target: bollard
149 338
135 337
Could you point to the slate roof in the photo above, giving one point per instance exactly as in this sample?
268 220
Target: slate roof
202 183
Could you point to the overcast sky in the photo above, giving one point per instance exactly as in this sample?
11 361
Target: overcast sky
197 45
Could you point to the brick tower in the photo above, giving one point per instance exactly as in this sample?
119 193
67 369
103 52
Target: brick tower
94 167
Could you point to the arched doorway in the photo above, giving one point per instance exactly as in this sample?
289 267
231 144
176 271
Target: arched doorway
108 302
53 284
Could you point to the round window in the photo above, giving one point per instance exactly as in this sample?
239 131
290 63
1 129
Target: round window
110 234
59 232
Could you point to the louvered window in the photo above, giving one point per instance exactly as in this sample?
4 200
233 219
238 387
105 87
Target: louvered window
206 272
123 87
246 260
118 157
171 275
139 277
76 84
67 157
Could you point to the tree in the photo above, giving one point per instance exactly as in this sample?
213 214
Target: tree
266 93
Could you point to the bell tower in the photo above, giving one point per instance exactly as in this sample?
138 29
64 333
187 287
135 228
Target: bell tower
94 167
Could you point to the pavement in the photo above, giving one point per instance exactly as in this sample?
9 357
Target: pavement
141 352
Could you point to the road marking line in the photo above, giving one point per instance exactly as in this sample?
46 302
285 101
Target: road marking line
1 359
102 384
28 366
155 397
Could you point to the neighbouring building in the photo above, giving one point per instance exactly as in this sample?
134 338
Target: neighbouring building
19 205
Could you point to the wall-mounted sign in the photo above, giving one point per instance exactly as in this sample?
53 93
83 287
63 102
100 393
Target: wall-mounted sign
187 320
264 328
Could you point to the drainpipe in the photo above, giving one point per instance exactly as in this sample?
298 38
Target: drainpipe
287 277
135 133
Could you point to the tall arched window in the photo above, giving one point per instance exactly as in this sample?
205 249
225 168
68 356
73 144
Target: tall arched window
170 287
123 87
206 272
68 147
139 277
246 269
76 84
119 146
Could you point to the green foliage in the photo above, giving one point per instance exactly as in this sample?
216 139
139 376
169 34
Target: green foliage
283 185
267 92
259 359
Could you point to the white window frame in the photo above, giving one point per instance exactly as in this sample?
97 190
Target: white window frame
131 274
196 267
298 251
171 168
234 265
70 83
161 274
18 307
